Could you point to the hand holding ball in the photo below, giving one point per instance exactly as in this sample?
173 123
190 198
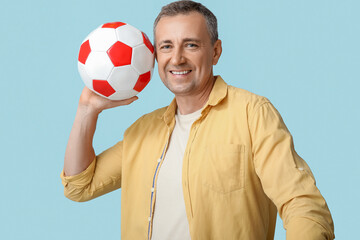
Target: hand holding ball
116 61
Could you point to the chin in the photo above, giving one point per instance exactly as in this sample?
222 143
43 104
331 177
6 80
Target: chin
181 92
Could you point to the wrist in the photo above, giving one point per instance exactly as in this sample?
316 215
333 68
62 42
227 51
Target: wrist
88 110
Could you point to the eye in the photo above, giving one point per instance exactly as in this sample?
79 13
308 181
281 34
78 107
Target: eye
191 45
165 47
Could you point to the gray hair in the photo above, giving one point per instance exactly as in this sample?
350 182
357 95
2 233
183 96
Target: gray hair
186 7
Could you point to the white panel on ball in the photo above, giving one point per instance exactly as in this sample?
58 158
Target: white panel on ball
129 35
90 34
123 94
142 59
123 78
102 39
98 65
85 77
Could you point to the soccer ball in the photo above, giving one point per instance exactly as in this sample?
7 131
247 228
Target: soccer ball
116 60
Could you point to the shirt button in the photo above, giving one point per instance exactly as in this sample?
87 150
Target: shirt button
152 189
301 169
159 160
149 219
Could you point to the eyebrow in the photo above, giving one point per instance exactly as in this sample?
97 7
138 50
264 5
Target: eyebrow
192 40
163 42
184 40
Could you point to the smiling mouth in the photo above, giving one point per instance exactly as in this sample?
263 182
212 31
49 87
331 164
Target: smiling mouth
180 72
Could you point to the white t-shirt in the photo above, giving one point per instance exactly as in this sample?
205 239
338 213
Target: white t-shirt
170 221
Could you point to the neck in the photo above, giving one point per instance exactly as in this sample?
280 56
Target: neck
190 104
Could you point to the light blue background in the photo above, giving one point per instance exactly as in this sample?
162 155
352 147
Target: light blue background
303 55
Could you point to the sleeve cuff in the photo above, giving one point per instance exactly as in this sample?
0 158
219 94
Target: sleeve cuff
80 179
305 228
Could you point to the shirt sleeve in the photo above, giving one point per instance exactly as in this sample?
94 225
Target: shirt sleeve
286 178
103 175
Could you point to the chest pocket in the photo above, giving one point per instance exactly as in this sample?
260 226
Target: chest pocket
223 168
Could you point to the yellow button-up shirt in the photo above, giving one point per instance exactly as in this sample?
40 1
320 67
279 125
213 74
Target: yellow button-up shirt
239 169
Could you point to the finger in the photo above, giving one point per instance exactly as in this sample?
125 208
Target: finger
130 100
115 103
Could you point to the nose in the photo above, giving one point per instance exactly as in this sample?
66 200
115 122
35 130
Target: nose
177 57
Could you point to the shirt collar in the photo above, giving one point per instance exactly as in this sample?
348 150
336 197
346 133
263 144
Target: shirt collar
218 93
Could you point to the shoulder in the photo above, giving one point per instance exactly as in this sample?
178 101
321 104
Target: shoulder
149 120
258 110
245 99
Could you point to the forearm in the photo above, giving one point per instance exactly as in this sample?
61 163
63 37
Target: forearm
79 151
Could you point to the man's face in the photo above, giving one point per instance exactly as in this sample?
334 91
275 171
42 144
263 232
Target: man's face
185 54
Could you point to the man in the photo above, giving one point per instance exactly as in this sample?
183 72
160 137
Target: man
217 163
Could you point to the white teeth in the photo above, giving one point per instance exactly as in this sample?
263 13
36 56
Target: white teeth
180 73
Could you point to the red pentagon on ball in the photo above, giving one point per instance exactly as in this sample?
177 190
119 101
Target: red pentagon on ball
113 25
142 81
147 42
84 51
103 87
120 54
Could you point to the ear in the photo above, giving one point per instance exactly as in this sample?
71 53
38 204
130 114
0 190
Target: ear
155 53
217 51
